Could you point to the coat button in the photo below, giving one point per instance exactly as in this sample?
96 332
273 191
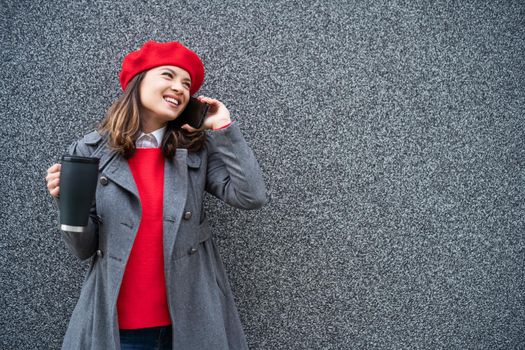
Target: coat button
103 180
100 253
187 215
192 250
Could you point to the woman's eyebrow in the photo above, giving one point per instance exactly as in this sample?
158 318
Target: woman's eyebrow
174 73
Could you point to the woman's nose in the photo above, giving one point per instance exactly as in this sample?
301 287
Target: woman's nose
176 86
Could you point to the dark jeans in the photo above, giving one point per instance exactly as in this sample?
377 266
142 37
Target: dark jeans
155 338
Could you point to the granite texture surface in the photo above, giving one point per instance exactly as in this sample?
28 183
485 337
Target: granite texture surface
390 134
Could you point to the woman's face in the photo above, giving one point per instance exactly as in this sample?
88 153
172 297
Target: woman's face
164 93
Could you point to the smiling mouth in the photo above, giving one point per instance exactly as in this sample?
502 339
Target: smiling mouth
171 101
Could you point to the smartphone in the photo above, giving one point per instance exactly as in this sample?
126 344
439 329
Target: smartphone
194 113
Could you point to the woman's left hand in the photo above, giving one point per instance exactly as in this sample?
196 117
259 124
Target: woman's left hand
218 115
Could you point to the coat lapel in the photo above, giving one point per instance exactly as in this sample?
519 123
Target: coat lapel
175 193
120 173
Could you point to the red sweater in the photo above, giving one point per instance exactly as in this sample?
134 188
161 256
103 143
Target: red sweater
142 300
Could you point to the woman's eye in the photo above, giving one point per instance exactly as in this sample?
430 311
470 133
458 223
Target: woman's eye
167 74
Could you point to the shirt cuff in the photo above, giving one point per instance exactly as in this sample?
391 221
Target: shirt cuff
222 127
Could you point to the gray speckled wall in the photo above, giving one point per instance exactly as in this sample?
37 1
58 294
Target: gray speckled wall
391 137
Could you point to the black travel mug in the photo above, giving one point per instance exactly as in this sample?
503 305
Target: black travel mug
78 183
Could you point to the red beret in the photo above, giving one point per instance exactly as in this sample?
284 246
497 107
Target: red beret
154 54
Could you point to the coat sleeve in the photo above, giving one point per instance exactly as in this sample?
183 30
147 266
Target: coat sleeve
81 244
233 173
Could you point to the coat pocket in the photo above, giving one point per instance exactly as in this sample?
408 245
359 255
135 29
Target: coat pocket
218 269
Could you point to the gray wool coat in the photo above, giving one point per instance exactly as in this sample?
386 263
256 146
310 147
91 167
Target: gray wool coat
201 304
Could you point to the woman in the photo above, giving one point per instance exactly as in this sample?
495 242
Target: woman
156 280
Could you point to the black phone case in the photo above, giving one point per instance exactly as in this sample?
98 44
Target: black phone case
194 113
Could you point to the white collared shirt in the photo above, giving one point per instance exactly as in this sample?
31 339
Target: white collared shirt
150 140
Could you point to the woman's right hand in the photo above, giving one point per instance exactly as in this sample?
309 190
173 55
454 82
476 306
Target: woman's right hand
53 179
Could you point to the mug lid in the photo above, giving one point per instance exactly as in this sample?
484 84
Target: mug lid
78 159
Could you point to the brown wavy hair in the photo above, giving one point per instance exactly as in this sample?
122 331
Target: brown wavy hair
123 124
